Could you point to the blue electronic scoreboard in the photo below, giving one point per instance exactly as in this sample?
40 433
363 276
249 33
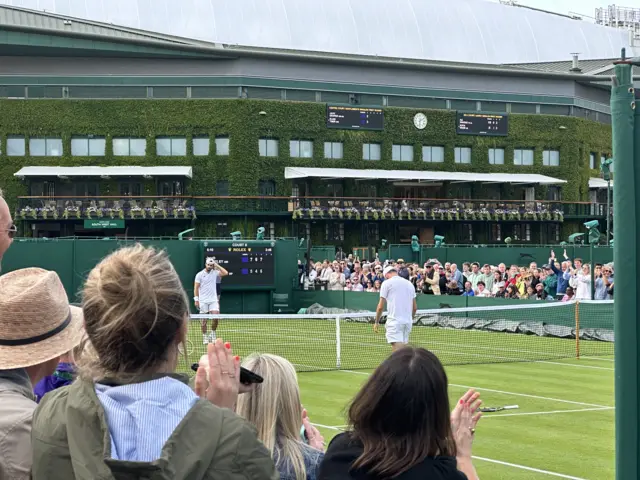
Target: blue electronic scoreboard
355 118
250 263
482 124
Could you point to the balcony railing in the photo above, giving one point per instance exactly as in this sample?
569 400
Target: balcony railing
66 208
303 208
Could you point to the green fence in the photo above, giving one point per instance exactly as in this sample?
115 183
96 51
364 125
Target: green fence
72 259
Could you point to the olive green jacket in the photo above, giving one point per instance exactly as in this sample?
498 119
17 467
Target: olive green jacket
71 441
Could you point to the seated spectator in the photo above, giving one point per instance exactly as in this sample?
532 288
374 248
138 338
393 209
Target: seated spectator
468 291
607 278
38 326
63 375
452 288
530 294
482 290
400 425
541 294
502 290
569 295
347 286
600 292
376 285
497 280
512 292
357 287
128 415
274 408
431 281
370 287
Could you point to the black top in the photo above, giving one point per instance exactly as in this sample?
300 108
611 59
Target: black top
343 451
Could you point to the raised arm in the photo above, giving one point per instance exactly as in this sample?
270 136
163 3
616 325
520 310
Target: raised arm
223 272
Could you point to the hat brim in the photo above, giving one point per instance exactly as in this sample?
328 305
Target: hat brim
22 356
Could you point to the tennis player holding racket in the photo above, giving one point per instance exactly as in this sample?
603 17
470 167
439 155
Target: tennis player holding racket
399 295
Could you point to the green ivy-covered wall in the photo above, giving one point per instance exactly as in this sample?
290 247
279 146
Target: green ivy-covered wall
241 120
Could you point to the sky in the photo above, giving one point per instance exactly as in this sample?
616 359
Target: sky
585 7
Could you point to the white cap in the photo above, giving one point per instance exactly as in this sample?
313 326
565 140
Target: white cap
388 270
210 261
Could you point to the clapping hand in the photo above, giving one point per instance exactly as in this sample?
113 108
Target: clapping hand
464 418
220 383
313 435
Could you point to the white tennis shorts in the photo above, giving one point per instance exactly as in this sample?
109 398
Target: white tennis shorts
398 332
209 307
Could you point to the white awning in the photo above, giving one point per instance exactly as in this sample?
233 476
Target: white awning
104 172
595 182
420 176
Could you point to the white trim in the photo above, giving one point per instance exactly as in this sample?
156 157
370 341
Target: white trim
531 469
595 182
419 175
123 171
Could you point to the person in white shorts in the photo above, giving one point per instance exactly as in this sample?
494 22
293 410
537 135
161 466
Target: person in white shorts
399 295
206 296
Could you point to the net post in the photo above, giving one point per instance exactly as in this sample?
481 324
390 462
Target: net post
338 342
577 312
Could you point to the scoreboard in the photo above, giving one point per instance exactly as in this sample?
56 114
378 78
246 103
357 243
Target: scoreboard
482 124
250 263
355 118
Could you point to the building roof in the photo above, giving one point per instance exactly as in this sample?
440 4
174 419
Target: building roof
470 31
587 67
125 171
420 176
595 182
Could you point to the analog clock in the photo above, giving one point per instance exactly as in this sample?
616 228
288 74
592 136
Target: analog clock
420 121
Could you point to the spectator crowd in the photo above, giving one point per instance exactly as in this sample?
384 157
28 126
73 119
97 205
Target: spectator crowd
569 279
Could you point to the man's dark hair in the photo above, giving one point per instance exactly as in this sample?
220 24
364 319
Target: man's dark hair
401 415
475 264
482 283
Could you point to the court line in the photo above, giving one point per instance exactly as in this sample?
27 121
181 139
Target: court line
326 426
574 365
530 469
595 409
508 393
598 358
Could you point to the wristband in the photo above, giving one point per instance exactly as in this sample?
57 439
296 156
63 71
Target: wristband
196 299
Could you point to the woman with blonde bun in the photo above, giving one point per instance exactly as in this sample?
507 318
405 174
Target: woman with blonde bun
129 415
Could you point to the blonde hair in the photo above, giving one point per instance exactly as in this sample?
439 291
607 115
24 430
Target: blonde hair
134 308
274 408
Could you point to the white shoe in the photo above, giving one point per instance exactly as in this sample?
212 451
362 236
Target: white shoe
205 339
212 337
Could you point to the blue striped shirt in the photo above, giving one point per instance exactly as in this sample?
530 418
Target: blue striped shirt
142 416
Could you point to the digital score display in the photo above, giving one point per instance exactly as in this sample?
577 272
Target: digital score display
355 118
250 264
484 124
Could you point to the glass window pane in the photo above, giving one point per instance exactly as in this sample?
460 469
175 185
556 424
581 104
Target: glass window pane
138 147
426 154
262 147
54 147
407 153
179 147
555 158
80 147
306 149
374 151
517 157
163 147
201 146
327 150
365 151
437 154
337 150
120 146
15 146
396 152
37 147
272 148
222 146
528 157
592 161
97 147
294 148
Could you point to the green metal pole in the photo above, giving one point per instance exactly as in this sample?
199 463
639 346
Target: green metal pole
593 271
626 308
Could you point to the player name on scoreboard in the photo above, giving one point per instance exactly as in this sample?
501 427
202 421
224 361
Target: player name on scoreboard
249 264
355 118
482 124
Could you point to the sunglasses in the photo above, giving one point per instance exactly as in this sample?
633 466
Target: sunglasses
11 231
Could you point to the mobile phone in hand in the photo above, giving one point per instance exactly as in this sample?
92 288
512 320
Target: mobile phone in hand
247 377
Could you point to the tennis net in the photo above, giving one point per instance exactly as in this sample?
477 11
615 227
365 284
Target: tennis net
513 333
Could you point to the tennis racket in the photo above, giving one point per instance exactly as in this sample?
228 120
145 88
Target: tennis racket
499 409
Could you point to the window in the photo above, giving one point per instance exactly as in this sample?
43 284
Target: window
592 161
222 230
551 158
267 188
222 146
554 193
171 146
464 233
335 190
201 146
15 146
462 155
523 157
300 149
304 230
370 234
171 188
371 151
333 150
45 147
89 146
496 156
496 232
87 189
402 153
129 147
222 188
522 232
433 154
130 189
334 232
552 233
268 147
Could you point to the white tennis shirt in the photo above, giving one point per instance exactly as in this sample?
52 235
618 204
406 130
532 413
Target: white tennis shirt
399 294
207 280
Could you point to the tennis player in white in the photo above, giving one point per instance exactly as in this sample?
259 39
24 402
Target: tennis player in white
206 296
399 295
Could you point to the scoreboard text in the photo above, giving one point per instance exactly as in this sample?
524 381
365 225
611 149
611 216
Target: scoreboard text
249 265
484 124
355 118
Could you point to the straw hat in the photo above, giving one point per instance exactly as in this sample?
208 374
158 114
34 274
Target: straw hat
37 323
